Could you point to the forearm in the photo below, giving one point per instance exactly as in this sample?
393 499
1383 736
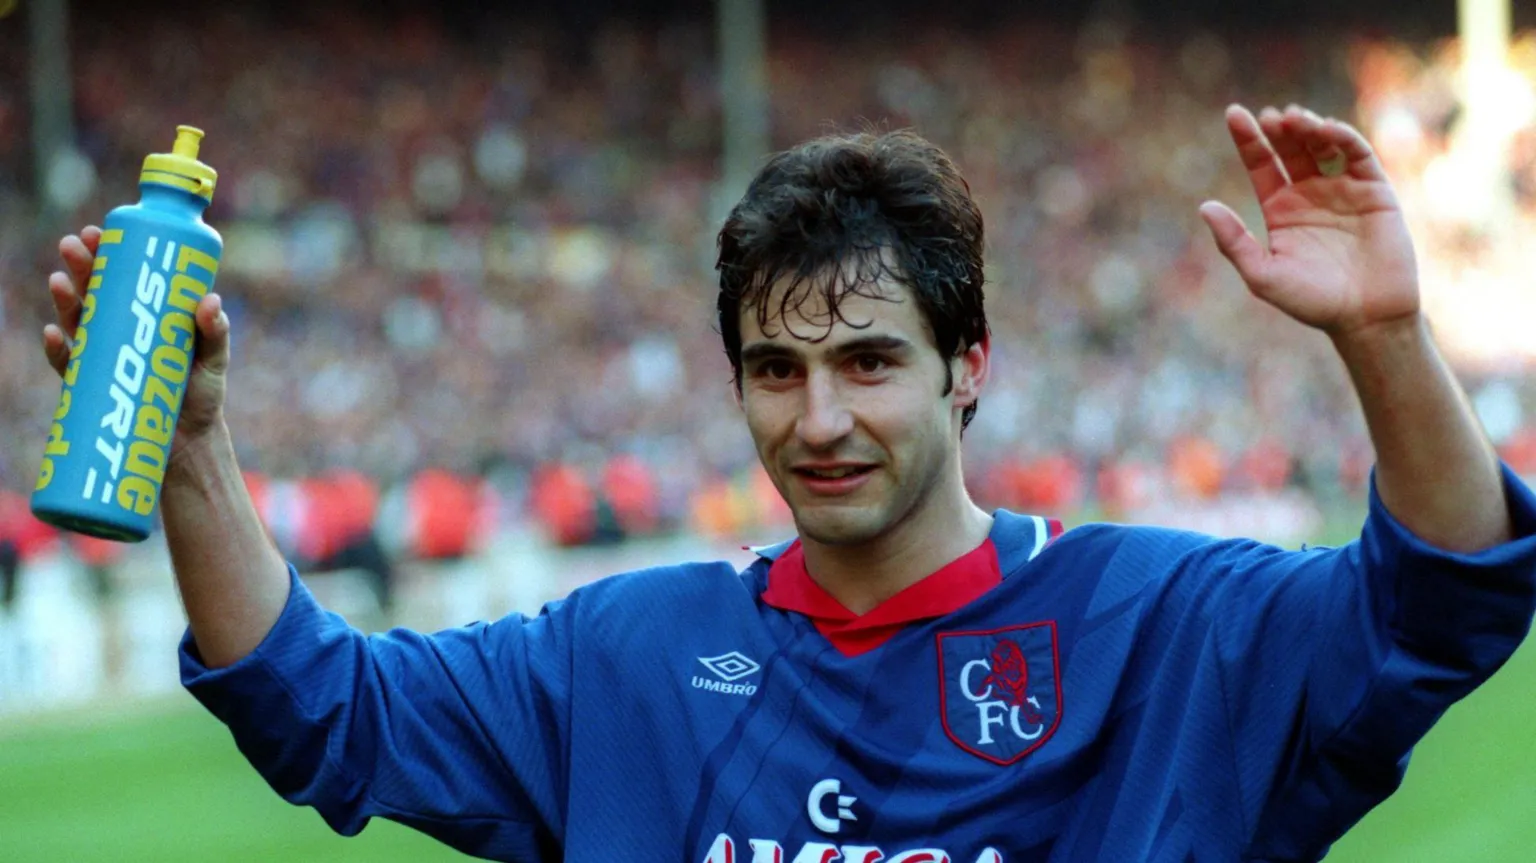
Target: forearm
1436 471
233 581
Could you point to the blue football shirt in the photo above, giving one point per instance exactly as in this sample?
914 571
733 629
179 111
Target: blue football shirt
1110 694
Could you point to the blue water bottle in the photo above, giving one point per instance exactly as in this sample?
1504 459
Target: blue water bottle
105 458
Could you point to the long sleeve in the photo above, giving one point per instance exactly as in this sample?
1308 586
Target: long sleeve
463 734
1333 663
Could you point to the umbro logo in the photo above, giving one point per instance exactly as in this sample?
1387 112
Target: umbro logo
729 667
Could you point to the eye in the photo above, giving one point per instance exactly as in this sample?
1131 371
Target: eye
869 364
776 370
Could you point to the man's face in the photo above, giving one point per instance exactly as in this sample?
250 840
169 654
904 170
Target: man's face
848 414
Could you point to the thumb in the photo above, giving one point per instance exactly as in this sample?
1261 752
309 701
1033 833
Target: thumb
212 352
1234 240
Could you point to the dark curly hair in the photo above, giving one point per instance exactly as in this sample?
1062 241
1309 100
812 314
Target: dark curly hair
838 213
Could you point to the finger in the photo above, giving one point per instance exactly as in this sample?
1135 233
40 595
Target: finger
1259 159
213 334
66 303
1293 155
1359 156
56 348
1307 127
78 259
91 236
1235 241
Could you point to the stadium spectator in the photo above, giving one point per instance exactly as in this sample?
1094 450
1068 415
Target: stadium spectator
500 198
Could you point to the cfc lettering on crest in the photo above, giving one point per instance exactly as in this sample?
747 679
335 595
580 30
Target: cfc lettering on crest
1000 689
1007 674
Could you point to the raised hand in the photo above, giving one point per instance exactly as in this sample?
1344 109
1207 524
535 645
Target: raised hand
203 404
1339 255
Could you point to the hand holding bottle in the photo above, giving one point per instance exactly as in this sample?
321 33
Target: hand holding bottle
203 403
139 334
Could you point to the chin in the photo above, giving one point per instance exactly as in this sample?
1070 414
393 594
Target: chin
840 525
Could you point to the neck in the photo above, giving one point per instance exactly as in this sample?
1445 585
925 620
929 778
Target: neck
938 530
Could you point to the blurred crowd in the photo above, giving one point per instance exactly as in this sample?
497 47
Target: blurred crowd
478 261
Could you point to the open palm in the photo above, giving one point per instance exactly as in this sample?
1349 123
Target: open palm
1339 257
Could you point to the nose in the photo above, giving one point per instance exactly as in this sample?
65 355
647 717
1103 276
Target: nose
825 419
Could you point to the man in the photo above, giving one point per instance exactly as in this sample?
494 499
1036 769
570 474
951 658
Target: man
913 678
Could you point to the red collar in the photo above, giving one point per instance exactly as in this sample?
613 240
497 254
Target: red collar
957 583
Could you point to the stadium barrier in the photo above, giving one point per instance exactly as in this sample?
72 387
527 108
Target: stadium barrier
62 646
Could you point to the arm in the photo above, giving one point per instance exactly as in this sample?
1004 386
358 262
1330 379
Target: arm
461 735
1334 663
1327 666
1340 259
1436 471
232 580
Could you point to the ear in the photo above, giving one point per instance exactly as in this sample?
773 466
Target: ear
970 371
736 394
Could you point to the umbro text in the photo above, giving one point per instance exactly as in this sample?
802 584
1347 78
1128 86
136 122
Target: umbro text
726 688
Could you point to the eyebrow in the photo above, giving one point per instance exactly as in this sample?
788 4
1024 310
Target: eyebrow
760 351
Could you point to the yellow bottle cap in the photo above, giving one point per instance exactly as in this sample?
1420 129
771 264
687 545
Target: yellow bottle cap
180 167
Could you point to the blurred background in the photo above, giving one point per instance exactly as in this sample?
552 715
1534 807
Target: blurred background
469 259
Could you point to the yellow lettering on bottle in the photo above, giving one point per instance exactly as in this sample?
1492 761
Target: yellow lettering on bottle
185 293
147 459
137 494
192 257
177 328
155 390
151 425
170 362
56 445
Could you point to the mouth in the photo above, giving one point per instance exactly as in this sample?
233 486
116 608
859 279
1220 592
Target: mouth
833 479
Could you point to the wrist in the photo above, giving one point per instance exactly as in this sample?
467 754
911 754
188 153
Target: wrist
1382 338
195 455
